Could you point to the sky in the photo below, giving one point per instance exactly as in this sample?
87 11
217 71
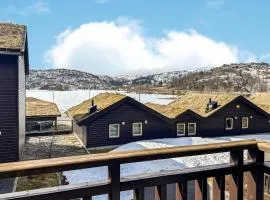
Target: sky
114 37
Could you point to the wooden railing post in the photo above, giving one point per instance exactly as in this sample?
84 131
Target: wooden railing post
255 178
219 187
236 180
114 175
201 189
181 191
161 192
139 194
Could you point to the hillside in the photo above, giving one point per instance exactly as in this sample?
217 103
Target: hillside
65 79
251 77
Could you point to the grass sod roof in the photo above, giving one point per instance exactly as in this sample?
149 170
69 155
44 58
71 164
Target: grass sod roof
12 36
102 100
194 101
40 108
197 102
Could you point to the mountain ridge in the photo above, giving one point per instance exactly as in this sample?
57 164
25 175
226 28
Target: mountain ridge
242 77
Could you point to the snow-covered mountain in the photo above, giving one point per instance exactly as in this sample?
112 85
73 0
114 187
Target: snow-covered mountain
233 77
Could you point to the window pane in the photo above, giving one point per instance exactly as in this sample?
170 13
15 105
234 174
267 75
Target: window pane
244 122
113 130
192 128
229 123
137 128
180 129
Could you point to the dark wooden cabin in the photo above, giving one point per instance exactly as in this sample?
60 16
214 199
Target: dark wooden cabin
238 116
186 124
13 68
110 120
40 114
227 115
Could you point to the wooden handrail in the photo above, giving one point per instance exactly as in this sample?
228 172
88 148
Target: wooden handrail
116 183
264 146
25 168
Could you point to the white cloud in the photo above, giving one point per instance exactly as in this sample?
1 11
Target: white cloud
39 7
120 46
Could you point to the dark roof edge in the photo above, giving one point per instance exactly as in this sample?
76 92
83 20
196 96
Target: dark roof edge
248 102
94 116
193 113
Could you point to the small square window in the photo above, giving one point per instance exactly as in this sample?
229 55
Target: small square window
114 130
137 129
229 123
191 128
180 129
244 122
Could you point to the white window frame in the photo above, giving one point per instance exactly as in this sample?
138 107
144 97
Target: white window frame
244 127
177 132
195 128
114 136
228 118
141 132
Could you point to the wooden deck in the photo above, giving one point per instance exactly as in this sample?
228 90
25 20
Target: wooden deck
245 178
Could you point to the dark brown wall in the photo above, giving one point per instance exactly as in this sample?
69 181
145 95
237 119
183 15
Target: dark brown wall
214 125
9 108
81 132
98 131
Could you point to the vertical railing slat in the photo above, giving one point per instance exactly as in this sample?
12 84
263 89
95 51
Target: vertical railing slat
161 192
201 189
219 187
139 194
255 178
236 180
181 191
114 175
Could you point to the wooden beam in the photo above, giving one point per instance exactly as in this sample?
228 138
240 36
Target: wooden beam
114 175
139 194
201 189
161 192
181 191
236 179
264 146
25 168
219 187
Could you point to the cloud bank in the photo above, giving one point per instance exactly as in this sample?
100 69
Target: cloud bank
115 47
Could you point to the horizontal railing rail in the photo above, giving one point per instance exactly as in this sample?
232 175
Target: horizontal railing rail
235 170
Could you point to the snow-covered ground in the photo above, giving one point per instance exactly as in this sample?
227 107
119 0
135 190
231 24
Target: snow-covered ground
67 99
158 166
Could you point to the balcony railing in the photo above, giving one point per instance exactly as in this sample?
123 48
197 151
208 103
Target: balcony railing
244 177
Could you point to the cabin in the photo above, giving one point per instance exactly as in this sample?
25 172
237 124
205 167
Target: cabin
213 115
112 119
40 114
14 66
238 116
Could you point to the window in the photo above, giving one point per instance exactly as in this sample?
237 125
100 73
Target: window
114 130
244 122
229 124
180 129
137 129
191 128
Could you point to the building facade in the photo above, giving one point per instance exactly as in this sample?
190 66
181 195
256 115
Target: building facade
13 68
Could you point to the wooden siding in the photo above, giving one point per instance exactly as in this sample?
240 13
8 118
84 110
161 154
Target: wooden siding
21 102
98 131
81 132
185 118
9 108
214 125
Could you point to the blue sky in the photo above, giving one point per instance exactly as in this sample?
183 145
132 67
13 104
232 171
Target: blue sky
120 36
